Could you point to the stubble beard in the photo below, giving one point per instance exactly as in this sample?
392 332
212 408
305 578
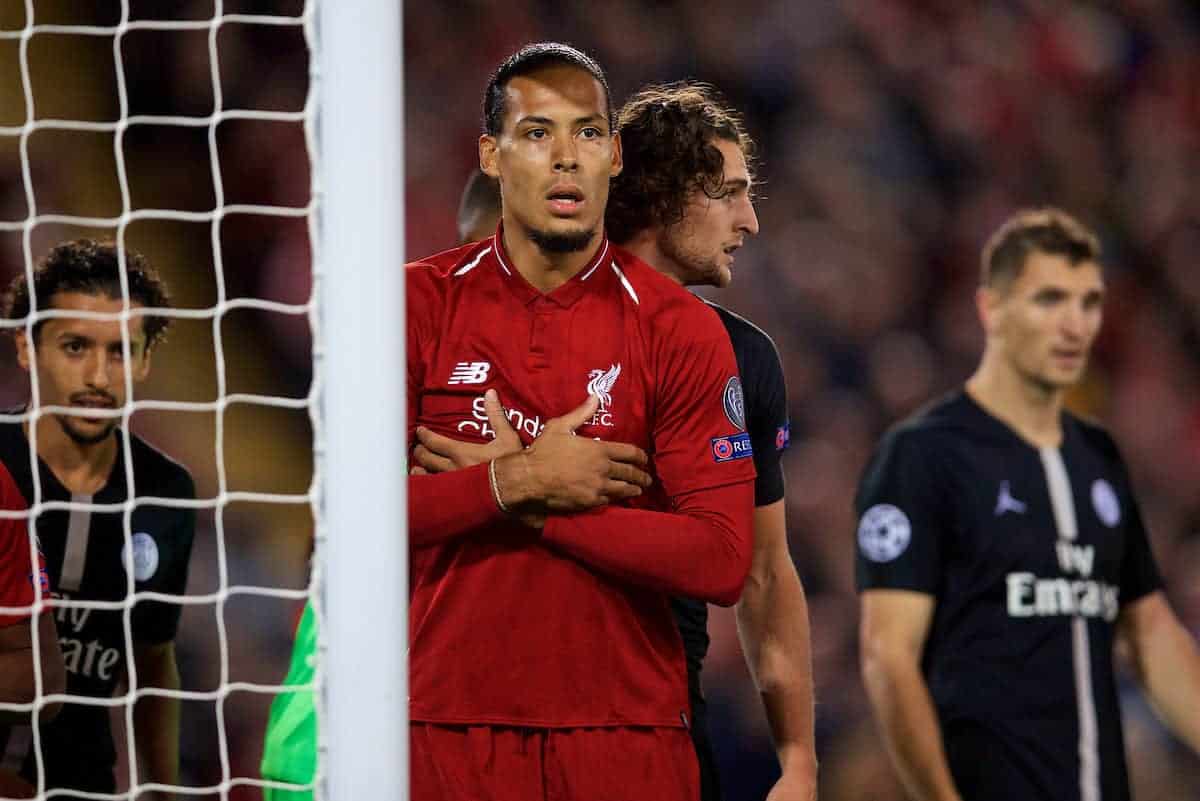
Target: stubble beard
696 268
80 438
559 243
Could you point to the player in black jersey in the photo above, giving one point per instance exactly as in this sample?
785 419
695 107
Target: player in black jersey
1001 555
86 460
683 204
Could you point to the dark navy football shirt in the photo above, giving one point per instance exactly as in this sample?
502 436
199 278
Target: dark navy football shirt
86 560
1030 554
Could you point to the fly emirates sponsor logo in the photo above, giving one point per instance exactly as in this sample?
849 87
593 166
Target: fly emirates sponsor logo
1030 596
82 656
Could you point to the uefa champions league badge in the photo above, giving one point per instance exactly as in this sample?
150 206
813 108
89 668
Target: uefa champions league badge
735 406
1104 501
783 436
884 532
726 449
145 556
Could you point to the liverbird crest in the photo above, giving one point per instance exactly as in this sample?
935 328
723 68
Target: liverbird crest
600 384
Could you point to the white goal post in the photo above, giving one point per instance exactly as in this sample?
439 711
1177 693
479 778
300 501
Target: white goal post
359 351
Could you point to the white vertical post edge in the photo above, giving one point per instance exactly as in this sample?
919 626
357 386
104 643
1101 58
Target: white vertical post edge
364 555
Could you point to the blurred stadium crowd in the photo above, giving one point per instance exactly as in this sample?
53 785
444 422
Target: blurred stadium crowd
893 137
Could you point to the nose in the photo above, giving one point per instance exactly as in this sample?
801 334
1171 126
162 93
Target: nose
98 370
566 155
748 219
1075 321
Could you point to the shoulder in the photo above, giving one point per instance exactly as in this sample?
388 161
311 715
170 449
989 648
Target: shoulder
663 300
13 444
938 425
1094 435
742 330
439 268
155 473
748 339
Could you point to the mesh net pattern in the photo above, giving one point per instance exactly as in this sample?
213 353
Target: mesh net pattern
218 497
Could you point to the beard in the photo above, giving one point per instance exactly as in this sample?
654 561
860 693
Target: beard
696 268
564 242
81 438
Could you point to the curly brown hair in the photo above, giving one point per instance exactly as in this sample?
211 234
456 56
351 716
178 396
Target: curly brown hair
92 268
667 133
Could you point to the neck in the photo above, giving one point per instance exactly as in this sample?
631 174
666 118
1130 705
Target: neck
544 271
645 245
1032 410
83 468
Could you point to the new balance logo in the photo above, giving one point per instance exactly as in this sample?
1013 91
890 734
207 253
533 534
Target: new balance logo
470 373
1006 502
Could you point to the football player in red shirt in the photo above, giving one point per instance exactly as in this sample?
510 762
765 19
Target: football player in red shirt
544 659
17 576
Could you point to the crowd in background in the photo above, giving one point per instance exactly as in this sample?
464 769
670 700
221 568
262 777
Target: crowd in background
893 137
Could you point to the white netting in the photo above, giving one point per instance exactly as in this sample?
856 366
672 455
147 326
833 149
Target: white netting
237 732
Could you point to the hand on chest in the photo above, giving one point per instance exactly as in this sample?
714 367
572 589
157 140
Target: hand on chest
536 386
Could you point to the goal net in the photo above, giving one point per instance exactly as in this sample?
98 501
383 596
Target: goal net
250 150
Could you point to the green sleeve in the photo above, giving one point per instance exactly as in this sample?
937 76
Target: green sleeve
290 747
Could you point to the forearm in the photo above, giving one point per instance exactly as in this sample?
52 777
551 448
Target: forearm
448 505
1170 672
773 626
909 724
17 676
156 726
702 550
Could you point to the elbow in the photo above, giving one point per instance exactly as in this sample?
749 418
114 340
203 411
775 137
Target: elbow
728 583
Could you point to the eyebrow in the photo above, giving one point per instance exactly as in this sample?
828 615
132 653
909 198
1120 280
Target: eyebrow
536 120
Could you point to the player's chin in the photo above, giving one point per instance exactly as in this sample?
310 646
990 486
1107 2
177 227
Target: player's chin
88 432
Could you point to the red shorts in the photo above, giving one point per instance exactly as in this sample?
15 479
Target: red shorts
491 763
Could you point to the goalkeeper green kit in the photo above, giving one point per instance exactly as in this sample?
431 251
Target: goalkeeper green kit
290 747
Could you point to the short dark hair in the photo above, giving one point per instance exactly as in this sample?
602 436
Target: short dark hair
481 196
667 133
92 268
1046 230
529 59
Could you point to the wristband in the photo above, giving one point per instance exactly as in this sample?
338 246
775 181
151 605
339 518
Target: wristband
496 487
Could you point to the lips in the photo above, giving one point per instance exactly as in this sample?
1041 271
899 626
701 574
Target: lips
93 402
1067 355
565 199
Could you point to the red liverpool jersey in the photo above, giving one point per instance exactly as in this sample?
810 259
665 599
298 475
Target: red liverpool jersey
16 573
569 626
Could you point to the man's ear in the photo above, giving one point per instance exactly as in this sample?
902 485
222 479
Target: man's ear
489 156
143 367
22 341
618 162
989 306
